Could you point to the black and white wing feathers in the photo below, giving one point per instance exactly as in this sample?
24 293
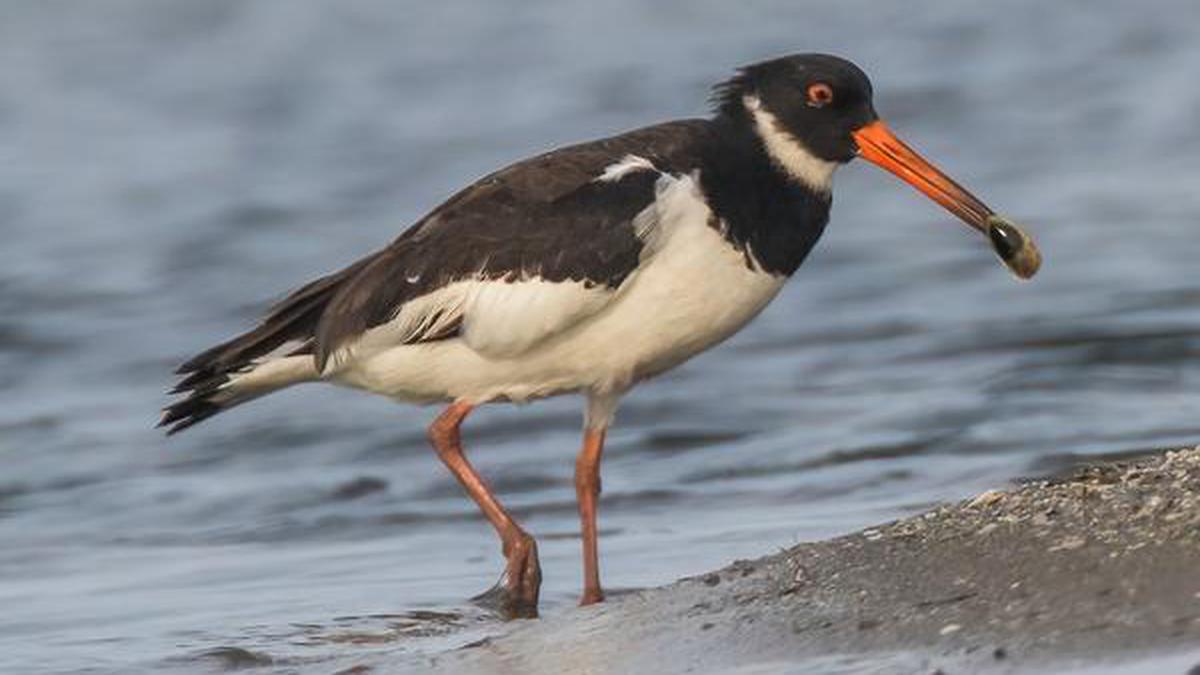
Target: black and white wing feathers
564 216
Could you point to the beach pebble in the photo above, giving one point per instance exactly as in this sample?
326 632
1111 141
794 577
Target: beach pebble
985 499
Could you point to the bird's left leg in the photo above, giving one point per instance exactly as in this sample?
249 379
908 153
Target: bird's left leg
600 408
587 490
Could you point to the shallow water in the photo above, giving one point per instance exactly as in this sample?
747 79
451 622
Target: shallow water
168 168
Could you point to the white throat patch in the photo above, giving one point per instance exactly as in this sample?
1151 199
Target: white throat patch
787 151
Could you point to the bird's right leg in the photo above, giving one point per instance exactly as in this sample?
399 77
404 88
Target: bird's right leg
522 576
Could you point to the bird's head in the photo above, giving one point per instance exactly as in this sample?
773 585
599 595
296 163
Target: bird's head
814 102
814 112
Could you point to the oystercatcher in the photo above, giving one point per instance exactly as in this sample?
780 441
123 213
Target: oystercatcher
583 270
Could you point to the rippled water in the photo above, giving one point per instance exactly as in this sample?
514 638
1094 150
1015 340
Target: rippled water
167 168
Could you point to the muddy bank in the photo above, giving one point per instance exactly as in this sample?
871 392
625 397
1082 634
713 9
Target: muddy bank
1099 567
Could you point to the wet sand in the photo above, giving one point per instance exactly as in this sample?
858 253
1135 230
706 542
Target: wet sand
1098 567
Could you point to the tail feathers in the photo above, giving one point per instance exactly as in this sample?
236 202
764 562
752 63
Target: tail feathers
276 354
294 317
224 391
183 414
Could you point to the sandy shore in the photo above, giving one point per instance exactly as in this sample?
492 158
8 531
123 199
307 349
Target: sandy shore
1099 567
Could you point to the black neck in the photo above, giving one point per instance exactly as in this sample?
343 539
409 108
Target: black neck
763 212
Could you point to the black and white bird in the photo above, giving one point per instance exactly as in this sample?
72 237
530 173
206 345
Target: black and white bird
583 270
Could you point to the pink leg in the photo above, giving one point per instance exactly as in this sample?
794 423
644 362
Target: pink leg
523 575
587 489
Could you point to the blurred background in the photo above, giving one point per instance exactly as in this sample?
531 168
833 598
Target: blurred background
168 168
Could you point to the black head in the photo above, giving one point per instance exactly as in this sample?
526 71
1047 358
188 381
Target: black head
812 112
818 99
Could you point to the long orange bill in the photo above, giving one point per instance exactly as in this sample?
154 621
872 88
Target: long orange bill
877 144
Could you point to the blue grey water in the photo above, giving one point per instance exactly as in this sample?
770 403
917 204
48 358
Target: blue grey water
167 168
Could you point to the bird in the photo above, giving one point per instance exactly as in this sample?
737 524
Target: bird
584 270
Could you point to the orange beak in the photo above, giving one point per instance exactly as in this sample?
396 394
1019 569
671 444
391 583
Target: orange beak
877 144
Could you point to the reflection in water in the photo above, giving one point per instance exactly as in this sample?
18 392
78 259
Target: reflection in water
167 169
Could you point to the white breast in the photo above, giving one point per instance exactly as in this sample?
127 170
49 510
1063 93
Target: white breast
691 290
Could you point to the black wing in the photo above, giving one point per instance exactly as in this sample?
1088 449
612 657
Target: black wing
546 217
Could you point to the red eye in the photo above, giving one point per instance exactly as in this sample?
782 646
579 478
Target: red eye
820 94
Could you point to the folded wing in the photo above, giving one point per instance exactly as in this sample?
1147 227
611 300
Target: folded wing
519 256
